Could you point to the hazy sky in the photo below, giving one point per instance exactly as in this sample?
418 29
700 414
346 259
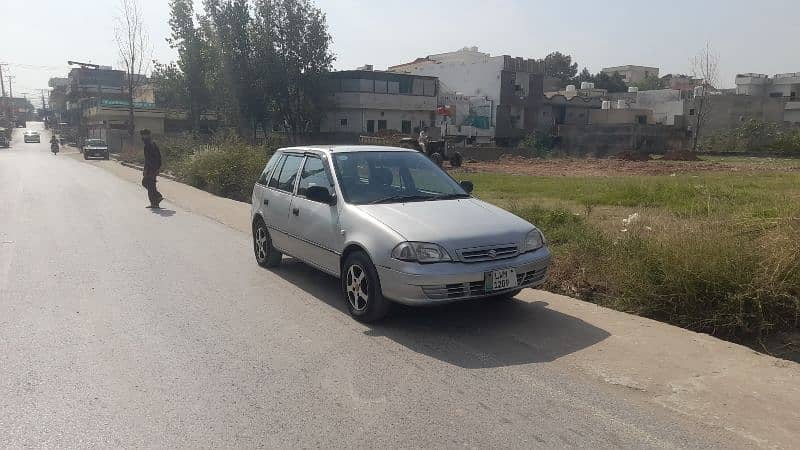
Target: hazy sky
37 37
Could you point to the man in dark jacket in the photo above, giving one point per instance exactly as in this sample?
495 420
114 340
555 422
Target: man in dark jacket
152 164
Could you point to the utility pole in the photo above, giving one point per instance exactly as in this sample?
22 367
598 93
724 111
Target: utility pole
10 91
2 81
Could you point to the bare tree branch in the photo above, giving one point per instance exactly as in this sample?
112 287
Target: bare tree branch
133 45
705 66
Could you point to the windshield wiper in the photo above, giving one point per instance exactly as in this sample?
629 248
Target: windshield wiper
450 196
402 198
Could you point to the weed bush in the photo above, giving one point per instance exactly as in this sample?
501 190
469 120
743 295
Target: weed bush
720 278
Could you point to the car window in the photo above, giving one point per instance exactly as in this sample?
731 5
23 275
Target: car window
273 181
313 174
288 175
392 177
268 169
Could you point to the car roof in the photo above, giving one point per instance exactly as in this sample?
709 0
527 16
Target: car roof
346 149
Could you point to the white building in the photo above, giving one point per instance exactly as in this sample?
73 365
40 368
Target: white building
510 87
367 102
757 84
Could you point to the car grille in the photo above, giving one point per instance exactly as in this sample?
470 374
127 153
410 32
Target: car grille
473 289
493 253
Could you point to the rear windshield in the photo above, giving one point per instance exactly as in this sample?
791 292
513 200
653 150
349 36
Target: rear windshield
95 142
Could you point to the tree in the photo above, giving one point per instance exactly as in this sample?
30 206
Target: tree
302 57
611 83
231 21
651 83
559 65
133 45
705 66
192 59
170 86
584 76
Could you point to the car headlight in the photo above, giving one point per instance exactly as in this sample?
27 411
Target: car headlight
423 252
533 241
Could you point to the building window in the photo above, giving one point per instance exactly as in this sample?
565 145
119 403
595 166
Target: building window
406 127
641 120
370 126
380 86
691 112
381 125
343 123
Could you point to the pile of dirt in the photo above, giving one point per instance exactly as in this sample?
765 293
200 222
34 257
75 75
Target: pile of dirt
681 155
629 155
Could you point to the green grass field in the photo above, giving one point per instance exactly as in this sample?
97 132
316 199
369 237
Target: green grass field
713 252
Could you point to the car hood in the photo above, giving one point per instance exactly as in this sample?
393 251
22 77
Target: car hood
454 224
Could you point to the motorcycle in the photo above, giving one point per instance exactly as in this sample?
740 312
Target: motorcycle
54 147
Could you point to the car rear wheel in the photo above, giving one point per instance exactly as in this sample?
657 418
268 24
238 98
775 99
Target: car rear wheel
266 254
107 156
361 288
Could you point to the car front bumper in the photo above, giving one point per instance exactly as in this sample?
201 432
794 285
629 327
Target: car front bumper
431 284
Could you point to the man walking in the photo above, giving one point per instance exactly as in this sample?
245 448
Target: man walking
152 164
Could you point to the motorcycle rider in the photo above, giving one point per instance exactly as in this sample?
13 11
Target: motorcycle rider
54 144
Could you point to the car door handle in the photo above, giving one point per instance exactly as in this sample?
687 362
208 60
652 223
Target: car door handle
266 202
296 211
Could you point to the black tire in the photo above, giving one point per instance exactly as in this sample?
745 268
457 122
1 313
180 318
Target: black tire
456 160
360 279
107 156
437 159
266 254
85 155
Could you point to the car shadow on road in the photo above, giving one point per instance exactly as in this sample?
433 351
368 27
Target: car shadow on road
472 334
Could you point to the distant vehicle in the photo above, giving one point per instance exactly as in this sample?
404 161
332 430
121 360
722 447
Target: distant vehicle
31 136
392 226
95 148
4 141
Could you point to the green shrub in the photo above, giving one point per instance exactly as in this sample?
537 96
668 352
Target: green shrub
228 167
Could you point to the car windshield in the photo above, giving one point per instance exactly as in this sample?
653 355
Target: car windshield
96 142
392 177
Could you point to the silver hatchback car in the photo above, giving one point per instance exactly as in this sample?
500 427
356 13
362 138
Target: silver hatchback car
393 226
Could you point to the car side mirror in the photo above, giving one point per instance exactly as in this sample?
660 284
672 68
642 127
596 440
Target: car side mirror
320 194
468 186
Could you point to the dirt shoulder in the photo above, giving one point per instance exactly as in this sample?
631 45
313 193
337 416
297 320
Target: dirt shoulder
614 167
716 383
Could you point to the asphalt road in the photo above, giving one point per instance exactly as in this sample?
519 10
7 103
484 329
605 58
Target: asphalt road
124 327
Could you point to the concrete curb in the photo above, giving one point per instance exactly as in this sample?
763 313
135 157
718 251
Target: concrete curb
141 168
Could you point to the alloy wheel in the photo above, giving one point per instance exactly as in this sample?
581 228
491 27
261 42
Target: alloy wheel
261 243
357 286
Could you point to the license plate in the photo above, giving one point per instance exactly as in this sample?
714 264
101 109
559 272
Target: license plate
498 280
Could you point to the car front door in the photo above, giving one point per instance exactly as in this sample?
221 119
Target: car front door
315 224
278 201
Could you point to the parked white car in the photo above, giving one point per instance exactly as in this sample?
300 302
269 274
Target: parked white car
31 136
393 226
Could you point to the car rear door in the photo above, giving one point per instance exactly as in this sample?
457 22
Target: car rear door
315 225
277 201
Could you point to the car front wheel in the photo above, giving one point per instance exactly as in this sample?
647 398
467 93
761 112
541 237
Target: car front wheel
362 289
266 254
